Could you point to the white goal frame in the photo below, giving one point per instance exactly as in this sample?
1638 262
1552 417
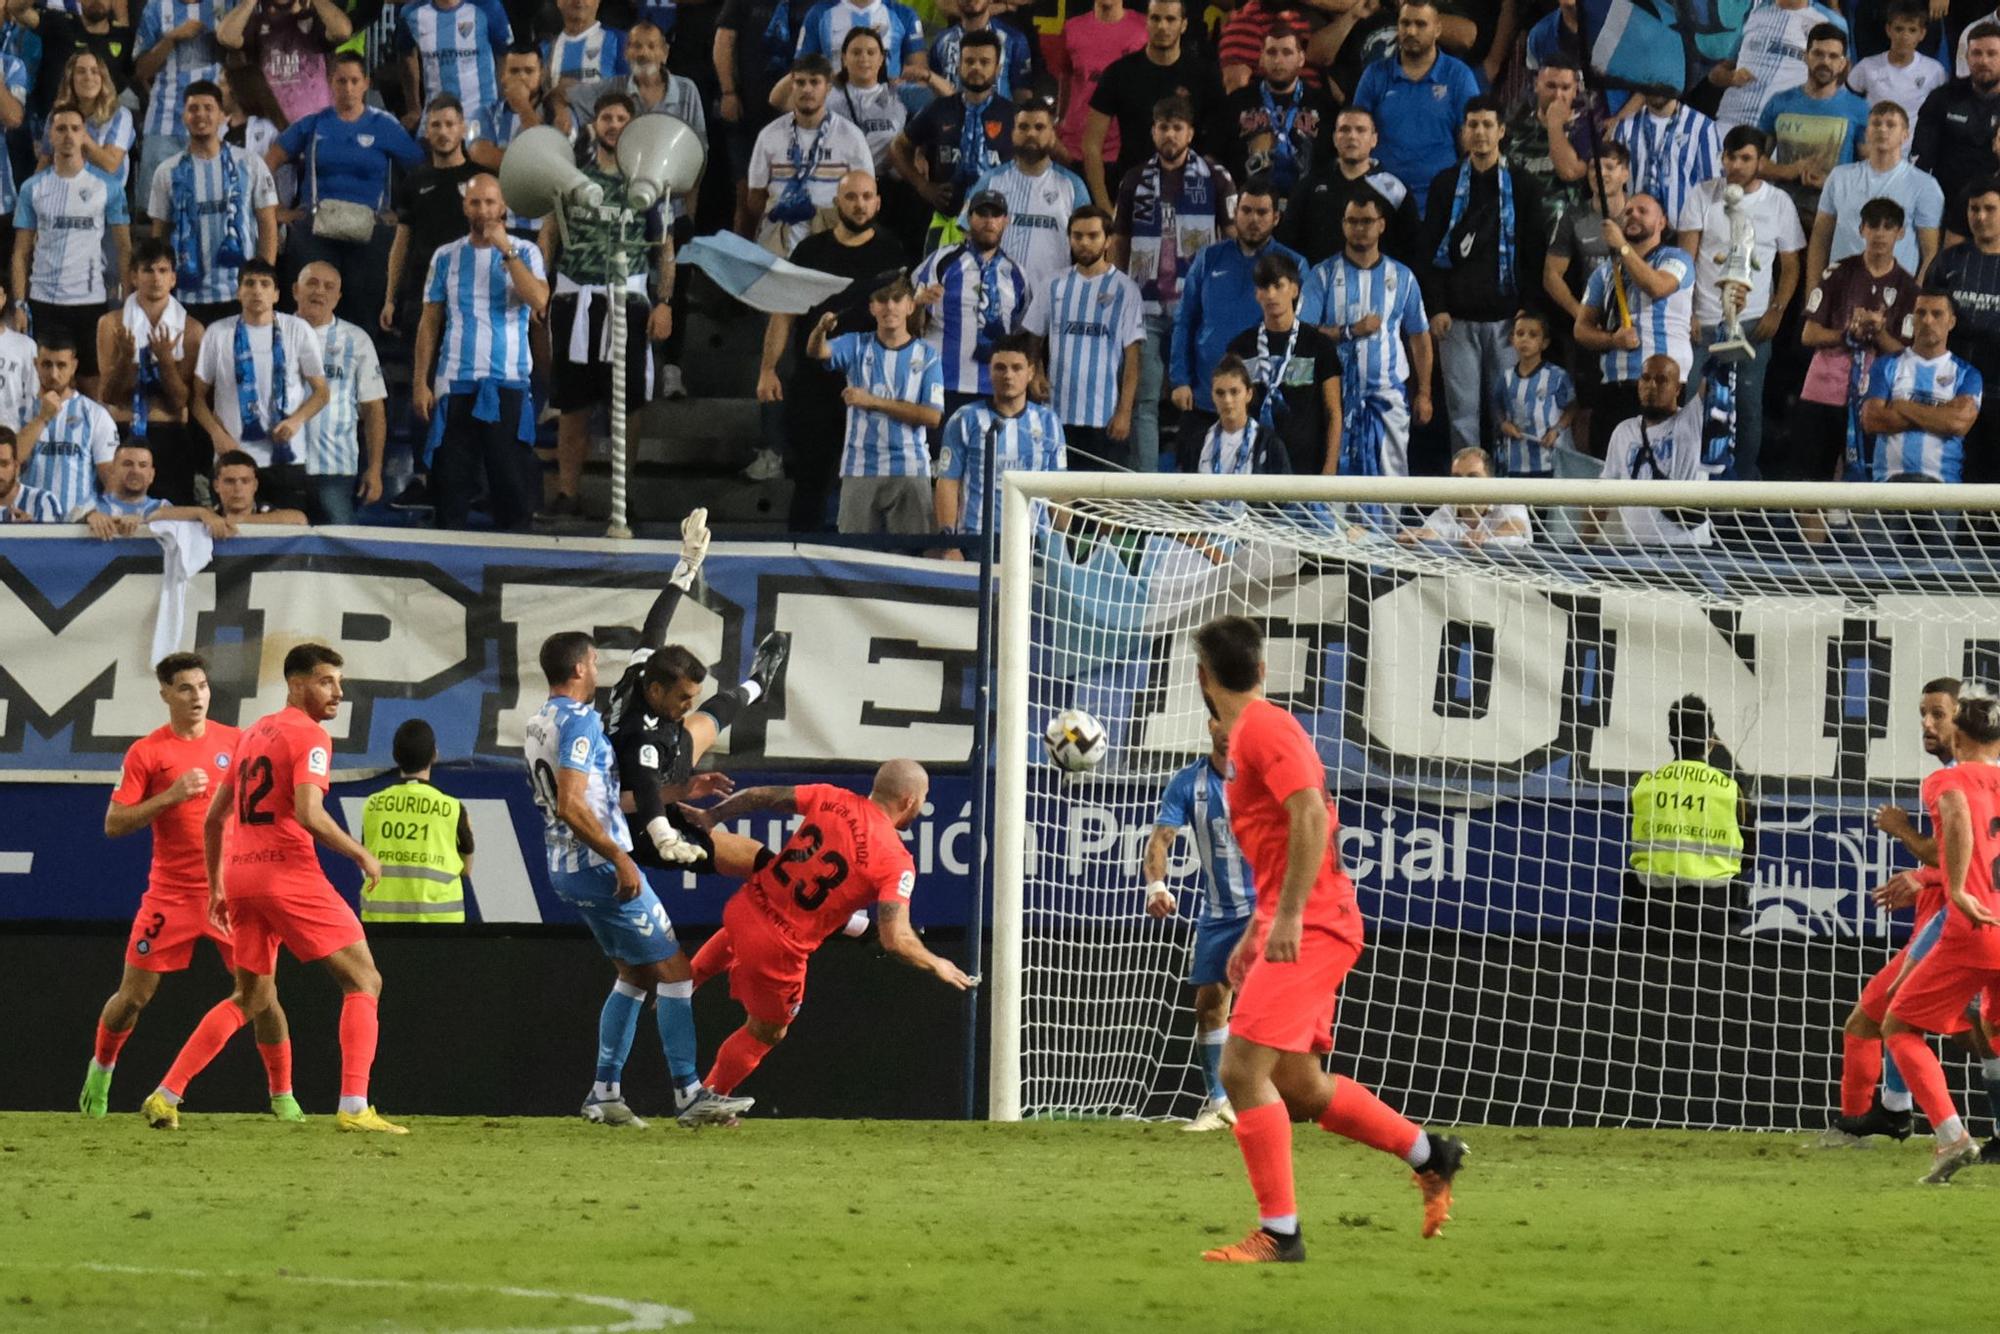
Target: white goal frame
1014 627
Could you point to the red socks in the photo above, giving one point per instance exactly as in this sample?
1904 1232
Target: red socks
1359 1115
109 1044
1860 1072
1923 1074
277 1058
358 1030
739 1054
1264 1134
715 956
210 1036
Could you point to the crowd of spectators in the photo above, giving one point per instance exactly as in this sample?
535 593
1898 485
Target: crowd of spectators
1345 237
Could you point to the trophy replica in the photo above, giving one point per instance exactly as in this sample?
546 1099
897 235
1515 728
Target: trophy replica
1738 263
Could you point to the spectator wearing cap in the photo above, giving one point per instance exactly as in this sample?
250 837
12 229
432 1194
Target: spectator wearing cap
955 140
1218 302
981 296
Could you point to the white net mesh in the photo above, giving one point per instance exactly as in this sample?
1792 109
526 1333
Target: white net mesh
1483 713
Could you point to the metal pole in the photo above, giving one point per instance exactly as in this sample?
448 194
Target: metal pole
982 738
1010 811
616 316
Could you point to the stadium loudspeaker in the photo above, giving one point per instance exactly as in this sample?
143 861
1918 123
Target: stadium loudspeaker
538 171
660 155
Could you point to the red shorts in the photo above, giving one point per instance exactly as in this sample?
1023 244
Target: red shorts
310 923
1876 996
1935 994
1289 1006
166 929
767 976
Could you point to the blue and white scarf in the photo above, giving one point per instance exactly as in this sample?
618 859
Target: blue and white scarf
795 204
173 320
1461 195
1272 407
1189 219
187 231
247 406
975 153
1860 445
1284 163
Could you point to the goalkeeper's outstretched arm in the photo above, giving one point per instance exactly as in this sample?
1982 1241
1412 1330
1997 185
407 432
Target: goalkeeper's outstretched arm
750 801
694 550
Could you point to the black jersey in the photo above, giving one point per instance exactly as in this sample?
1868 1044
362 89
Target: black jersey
652 751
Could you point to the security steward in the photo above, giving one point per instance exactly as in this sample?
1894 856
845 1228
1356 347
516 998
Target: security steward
1688 822
421 836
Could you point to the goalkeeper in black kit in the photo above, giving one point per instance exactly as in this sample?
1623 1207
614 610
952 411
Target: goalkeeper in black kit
659 736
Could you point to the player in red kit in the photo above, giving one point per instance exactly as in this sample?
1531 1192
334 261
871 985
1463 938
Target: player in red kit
163 786
846 854
1964 804
1288 967
265 883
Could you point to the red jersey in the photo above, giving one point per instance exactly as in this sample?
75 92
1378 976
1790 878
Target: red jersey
268 851
153 764
1270 759
844 855
1930 893
1981 785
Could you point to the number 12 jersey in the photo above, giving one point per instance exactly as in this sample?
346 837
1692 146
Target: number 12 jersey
845 855
268 851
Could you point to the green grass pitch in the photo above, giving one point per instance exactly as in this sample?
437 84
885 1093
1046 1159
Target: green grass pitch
239 1223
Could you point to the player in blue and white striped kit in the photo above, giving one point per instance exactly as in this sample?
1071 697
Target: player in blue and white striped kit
575 778
1022 434
1194 799
894 397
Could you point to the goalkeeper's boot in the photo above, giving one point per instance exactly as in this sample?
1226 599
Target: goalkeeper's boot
767 666
367 1119
709 1108
1989 1152
1216 1115
286 1108
1877 1120
1434 1179
611 1112
95 1100
1948 1159
1261 1247
159 1113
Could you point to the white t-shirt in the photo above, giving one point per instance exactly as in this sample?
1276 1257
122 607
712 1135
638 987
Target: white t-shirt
20 383
1676 447
215 365
1879 81
821 156
1448 525
1774 224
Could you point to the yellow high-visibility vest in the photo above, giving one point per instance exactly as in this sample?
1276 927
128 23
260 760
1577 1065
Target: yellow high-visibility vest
412 828
1684 824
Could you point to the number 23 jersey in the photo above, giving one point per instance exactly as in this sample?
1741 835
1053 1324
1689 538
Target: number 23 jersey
845 855
268 851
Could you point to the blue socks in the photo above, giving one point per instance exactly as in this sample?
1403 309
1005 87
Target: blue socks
1895 1093
676 1016
615 1028
1210 1043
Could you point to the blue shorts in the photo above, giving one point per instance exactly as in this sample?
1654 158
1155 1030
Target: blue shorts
635 931
1214 940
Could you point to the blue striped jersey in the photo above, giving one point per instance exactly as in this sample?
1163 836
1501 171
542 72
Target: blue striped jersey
1670 155
212 204
14 74
119 130
982 302
1930 380
455 50
1038 212
1088 321
1194 797
1032 439
353 377
826 27
569 735
20 383
197 58
497 125
142 508
877 444
68 215
1773 48
485 320
597 52
1534 403
1016 61
1340 292
65 460
1662 323
37 505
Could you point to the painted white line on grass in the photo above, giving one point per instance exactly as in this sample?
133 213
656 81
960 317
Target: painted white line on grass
639 1317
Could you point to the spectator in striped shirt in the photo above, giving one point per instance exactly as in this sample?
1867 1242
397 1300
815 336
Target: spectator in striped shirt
1017 62
19 502
474 364
894 396
147 349
825 29
355 415
1639 304
18 382
217 205
1923 401
1041 195
1970 271
125 506
1769 57
585 51
1534 402
451 46
65 448
60 223
1090 316
177 49
236 494
1021 434
1674 148
980 296
258 380
108 127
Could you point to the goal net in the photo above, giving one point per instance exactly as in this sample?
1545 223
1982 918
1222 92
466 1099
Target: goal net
1484 712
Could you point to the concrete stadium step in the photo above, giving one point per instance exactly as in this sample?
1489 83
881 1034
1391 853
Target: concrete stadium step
699 434
740 507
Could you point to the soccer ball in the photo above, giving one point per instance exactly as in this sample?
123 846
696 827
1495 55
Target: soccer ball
1076 741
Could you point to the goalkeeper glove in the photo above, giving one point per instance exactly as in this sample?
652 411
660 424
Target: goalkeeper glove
674 849
694 550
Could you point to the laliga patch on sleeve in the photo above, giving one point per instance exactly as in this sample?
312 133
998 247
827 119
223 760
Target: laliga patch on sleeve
649 757
316 761
579 750
906 883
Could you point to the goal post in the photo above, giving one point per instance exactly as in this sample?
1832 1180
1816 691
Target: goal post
1484 713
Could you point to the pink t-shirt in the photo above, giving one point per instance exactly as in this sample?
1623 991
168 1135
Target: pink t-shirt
1078 60
292 47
